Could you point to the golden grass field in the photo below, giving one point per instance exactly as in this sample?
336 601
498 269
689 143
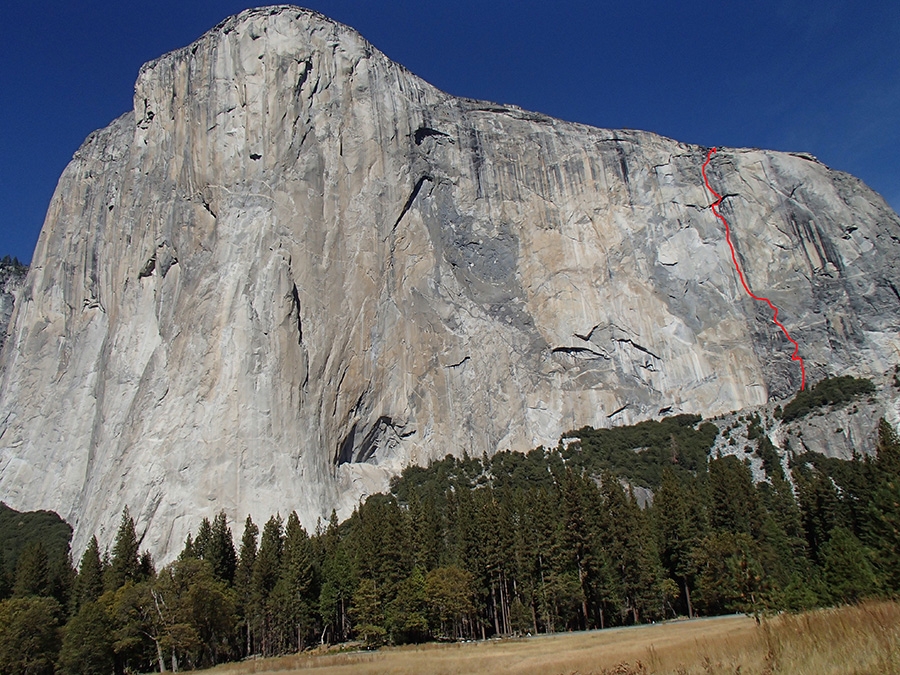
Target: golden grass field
858 640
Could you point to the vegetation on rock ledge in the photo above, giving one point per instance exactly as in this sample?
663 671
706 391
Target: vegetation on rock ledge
830 391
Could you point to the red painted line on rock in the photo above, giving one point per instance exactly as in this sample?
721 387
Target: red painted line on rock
715 209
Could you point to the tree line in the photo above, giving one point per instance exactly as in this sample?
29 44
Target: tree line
470 548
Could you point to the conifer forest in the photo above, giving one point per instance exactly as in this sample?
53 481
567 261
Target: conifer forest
553 540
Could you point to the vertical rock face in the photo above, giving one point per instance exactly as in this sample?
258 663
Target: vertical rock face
295 268
12 277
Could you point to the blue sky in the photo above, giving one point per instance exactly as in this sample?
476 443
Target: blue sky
821 77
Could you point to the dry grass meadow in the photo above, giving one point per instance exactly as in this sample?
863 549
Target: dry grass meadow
858 640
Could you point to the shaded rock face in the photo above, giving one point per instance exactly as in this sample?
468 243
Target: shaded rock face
12 278
295 268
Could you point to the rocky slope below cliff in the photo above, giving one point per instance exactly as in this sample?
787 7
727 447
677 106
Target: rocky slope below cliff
295 267
842 431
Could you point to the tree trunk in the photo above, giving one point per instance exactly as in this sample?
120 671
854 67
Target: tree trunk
687 597
496 617
159 655
584 601
549 624
504 605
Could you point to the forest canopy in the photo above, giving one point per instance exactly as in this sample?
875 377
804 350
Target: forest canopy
547 541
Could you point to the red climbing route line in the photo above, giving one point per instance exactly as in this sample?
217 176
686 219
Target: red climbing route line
715 209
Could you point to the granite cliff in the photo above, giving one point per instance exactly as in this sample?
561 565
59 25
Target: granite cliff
12 277
294 268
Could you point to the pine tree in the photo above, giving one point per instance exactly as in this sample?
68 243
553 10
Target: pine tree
539 524
293 594
730 577
577 537
220 550
196 612
632 549
139 637
243 578
848 574
466 544
87 646
368 613
425 531
29 635
268 559
89 582
783 548
778 499
203 539
406 615
146 569
679 518
188 552
265 575
338 582
5 581
888 450
882 532
448 594
380 547
734 504
247 556
819 508
125 564
532 514
32 572
381 542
